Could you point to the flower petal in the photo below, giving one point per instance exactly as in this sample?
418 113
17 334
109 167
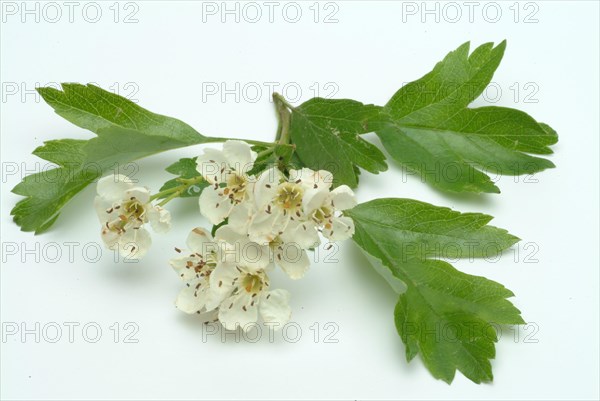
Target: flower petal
192 297
184 267
274 307
105 210
293 260
314 199
199 240
141 194
304 234
239 155
265 226
265 188
110 238
134 243
321 179
112 187
238 310
240 217
343 198
342 229
228 234
160 219
238 249
210 164
214 206
222 281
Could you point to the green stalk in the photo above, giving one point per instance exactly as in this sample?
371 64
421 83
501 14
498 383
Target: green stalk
283 114
175 192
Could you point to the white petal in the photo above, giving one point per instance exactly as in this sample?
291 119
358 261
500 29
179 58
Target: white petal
192 297
238 249
228 234
264 226
208 317
222 281
265 188
103 207
141 194
310 179
238 310
135 243
342 229
274 307
199 240
183 268
240 217
113 187
293 260
213 206
343 198
210 164
160 219
110 238
314 199
304 234
239 155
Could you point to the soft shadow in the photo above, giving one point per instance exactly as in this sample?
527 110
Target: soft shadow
373 283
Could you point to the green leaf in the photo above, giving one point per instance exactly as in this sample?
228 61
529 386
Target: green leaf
125 132
445 316
427 127
327 136
94 108
184 168
48 191
282 157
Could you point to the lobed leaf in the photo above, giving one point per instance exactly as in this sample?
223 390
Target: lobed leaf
125 132
445 316
326 133
427 127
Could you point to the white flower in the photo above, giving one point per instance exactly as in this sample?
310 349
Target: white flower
123 208
226 172
226 277
322 207
194 268
240 284
286 247
278 201
297 206
289 255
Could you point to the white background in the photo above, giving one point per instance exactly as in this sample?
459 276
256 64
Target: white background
169 57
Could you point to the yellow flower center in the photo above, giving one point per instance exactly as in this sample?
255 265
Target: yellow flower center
289 196
253 283
235 188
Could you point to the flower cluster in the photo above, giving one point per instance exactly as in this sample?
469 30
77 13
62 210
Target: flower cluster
264 221
123 209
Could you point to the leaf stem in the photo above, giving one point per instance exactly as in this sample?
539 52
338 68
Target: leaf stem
265 152
279 98
170 198
282 108
175 192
